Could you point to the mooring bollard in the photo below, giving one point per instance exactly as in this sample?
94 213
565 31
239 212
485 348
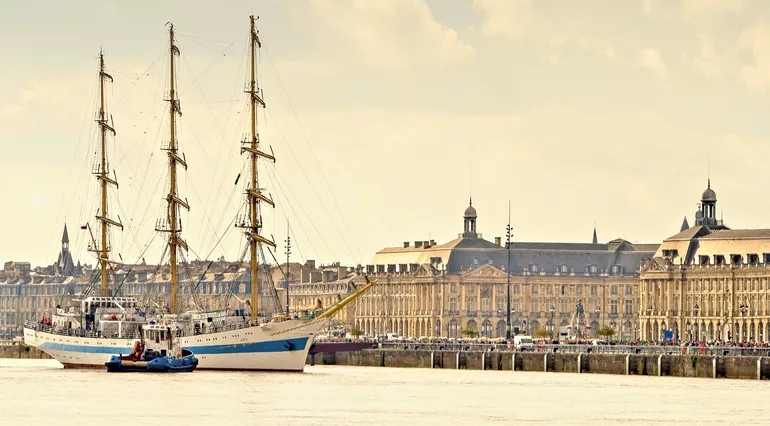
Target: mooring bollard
660 365
580 363
545 362
628 364
513 361
458 360
759 368
431 359
714 368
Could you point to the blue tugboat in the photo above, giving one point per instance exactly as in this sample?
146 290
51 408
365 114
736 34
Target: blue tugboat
154 352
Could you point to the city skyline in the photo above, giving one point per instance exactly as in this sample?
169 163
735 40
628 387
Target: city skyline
403 109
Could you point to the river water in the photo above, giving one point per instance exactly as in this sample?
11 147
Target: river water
40 392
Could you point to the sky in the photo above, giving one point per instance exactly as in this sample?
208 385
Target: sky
386 116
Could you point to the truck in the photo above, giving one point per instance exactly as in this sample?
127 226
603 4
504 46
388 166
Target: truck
523 343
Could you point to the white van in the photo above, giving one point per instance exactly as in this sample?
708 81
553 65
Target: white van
392 336
523 343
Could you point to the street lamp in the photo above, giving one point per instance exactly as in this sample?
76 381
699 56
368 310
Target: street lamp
613 324
696 309
552 310
649 322
743 308
508 272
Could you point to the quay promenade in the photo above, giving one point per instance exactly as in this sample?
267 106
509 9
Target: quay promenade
17 349
675 365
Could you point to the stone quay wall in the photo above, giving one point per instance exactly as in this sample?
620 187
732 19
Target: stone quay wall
706 366
22 351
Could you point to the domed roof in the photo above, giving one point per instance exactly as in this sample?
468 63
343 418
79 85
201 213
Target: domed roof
709 194
470 212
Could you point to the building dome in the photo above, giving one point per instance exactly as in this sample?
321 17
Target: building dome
709 194
470 212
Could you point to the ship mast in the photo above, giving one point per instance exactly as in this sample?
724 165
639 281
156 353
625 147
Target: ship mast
252 225
102 173
172 223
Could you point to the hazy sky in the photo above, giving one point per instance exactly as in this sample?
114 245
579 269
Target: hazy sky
386 115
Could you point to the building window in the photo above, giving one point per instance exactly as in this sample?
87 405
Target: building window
475 260
629 290
453 288
562 269
753 258
534 306
516 305
616 270
533 268
614 290
579 290
453 304
719 259
485 306
515 289
736 259
593 290
500 304
470 304
549 289
564 290
592 269
614 307
629 307
534 289
563 308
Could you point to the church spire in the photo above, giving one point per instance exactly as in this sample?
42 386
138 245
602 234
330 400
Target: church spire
595 240
65 238
685 225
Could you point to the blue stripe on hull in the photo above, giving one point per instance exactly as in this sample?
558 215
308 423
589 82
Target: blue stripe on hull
85 349
285 345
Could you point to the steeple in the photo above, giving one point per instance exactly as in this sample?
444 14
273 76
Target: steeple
65 238
469 219
708 208
685 225
595 240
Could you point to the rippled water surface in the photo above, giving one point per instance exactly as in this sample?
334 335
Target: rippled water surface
39 392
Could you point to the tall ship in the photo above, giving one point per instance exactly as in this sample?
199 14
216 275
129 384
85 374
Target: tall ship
96 328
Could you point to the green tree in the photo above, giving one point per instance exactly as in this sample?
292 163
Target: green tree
356 332
606 331
470 332
542 333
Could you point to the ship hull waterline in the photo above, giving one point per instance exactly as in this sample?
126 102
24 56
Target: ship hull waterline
280 346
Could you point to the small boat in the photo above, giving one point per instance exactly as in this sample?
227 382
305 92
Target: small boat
154 352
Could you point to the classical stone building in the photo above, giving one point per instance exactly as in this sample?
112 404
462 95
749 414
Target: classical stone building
708 282
429 289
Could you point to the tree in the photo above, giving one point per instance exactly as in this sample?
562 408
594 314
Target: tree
470 332
606 331
542 333
356 332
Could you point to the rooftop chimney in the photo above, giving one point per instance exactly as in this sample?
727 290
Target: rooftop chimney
406 244
426 244
418 244
498 241
432 242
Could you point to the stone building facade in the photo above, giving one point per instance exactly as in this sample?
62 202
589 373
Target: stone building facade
708 282
429 289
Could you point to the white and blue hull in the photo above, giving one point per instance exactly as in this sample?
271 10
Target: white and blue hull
280 346
78 352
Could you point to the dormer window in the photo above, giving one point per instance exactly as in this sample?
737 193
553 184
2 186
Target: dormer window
753 258
704 260
736 259
562 269
719 259
475 260
533 268
592 269
616 270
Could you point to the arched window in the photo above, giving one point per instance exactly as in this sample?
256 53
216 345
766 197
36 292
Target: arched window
592 269
616 270
533 268
562 269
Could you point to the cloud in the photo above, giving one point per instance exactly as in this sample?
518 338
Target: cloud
695 9
756 41
511 18
554 59
650 58
708 62
392 34
45 93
